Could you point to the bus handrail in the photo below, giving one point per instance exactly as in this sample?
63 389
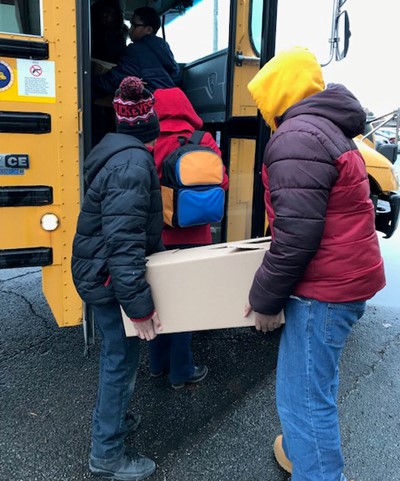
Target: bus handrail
240 59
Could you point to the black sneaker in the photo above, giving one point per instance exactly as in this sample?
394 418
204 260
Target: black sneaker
133 422
200 372
125 469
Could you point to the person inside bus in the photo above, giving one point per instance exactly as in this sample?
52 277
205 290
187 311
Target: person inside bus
109 33
120 223
148 57
324 261
171 354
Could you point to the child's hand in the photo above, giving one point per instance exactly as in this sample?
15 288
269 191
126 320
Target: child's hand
247 310
157 323
267 323
148 330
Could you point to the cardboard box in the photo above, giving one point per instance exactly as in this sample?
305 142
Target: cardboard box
203 287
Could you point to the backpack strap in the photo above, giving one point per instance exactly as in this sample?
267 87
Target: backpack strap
196 137
182 140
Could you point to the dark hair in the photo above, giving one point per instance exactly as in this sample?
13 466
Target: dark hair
149 16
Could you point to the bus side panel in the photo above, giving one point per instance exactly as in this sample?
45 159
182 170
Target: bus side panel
53 157
57 279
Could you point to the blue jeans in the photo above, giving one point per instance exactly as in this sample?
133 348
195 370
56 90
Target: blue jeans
172 353
307 383
119 360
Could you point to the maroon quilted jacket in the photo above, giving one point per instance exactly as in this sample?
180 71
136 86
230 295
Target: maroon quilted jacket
317 198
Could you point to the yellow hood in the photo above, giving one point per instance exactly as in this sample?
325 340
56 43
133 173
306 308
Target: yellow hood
292 75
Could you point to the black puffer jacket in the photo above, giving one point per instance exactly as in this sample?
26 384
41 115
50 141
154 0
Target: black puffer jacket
119 224
150 59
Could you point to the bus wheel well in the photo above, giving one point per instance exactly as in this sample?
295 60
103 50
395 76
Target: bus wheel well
374 186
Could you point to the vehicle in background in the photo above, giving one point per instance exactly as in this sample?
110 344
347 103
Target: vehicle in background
386 130
381 139
379 147
389 136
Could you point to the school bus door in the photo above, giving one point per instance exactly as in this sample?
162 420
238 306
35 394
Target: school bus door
39 146
255 25
216 84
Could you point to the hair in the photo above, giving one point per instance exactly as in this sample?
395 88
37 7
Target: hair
149 16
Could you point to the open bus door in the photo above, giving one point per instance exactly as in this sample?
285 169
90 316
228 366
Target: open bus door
217 83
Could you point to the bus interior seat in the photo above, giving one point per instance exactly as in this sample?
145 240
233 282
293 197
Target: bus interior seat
204 82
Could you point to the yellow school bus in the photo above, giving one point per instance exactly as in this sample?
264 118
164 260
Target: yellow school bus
46 125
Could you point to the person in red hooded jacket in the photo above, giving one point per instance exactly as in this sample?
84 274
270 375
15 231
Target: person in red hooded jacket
171 353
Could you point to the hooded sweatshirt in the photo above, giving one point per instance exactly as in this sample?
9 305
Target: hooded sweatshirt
178 118
317 197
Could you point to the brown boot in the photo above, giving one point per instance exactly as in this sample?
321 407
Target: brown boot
280 455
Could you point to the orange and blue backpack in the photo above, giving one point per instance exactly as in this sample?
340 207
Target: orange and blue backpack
191 184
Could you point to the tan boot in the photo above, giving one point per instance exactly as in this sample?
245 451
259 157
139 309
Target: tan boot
280 455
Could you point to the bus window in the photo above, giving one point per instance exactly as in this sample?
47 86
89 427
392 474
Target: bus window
289 31
20 16
255 25
206 22
309 33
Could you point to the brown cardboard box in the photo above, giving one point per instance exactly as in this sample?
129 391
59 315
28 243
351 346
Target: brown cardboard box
203 287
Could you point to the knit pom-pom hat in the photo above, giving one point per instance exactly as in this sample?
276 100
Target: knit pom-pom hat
134 110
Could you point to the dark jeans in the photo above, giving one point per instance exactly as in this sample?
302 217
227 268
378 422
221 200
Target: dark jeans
172 353
119 360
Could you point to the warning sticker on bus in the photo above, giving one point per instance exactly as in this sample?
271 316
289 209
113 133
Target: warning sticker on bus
36 78
24 80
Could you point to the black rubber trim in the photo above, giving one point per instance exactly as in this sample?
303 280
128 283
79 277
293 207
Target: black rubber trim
27 195
24 49
29 257
25 122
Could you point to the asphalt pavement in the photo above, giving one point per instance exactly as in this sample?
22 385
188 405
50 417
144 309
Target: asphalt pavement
220 430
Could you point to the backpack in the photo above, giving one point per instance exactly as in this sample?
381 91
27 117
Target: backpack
191 184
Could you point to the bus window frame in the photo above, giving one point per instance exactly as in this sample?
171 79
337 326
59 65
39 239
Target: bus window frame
173 16
41 23
256 51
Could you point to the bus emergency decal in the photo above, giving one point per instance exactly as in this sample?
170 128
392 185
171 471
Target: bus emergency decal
13 164
36 79
32 81
6 76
